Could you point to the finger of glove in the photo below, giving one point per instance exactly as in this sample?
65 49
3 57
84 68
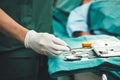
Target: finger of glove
58 47
47 52
53 52
58 41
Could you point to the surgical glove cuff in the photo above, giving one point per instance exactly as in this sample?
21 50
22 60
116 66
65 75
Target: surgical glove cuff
30 34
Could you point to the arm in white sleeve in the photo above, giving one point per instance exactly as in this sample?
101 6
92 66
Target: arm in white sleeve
77 20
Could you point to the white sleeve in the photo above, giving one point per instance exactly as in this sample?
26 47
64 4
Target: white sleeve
77 20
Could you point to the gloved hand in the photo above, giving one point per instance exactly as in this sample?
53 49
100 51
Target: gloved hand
44 43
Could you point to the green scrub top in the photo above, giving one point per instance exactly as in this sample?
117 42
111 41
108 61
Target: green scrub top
105 16
32 14
17 62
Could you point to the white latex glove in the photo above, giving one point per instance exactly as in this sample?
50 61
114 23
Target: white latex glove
44 43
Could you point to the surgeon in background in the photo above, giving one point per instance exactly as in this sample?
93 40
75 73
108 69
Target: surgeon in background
77 21
96 18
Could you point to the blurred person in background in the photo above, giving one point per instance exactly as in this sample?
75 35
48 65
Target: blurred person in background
96 18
